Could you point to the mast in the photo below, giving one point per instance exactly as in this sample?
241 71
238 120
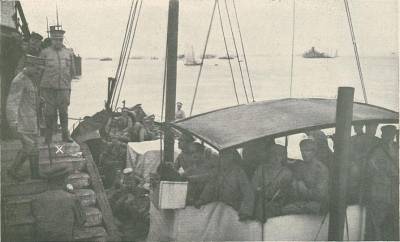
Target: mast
339 168
48 31
57 15
172 51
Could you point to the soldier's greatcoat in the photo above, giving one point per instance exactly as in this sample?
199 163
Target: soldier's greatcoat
59 68
22 104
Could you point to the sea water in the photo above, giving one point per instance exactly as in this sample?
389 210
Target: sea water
271 78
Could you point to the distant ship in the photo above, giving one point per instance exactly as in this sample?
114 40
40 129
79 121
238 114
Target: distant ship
190 59
106 59
313 53
154 58
209 56
230 57
136 57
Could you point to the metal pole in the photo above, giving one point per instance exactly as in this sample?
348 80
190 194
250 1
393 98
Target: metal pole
172 50
339 168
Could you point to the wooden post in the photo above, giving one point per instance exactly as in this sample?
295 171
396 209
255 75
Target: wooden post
172 50
339 168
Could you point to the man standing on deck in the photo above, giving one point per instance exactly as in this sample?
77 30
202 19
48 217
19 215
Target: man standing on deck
55 86
383 202
22 107
179 114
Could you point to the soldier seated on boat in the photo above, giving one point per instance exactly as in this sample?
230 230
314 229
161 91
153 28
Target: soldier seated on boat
22 106
150 132
230 186
383 173
113 158
140 132
184 158
115 129
201 171
130 205
311 182
361 145
324 153
56 211
254 154
272 183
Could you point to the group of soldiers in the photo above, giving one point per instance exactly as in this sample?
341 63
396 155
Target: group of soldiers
41 88
262 182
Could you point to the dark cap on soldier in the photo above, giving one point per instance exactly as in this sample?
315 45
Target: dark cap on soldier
36 36
388 129
34 60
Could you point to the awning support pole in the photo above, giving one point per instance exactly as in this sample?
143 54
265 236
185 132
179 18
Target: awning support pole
172 50
339 168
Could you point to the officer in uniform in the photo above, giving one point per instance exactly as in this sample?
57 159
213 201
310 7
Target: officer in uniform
55 86
22 105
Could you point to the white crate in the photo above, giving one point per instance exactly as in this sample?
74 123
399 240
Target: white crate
170 195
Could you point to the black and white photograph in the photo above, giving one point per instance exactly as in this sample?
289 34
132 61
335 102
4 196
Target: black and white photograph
199 120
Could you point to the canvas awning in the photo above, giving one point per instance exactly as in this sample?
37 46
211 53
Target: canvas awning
234 126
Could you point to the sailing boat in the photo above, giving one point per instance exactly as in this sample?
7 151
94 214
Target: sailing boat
190 59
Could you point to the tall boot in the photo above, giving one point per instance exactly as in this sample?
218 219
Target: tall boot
49 129
64 127
34 166
16 165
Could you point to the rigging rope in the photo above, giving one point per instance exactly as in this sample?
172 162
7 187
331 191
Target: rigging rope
227 53
164 83
293 31
202 59
129 53
353 38
237 53
244 53
124 57
123 50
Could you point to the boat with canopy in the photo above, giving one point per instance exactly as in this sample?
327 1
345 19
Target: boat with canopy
236 126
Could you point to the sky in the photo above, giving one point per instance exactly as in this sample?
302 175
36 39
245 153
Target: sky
95 28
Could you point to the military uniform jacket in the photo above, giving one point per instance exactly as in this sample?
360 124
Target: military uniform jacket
59 68
22 104
383 173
